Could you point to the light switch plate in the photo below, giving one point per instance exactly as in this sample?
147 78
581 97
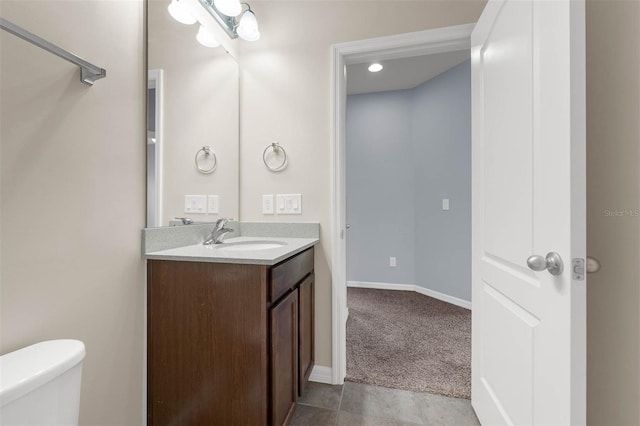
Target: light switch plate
289 203
267 204
445 204
213 204
194 203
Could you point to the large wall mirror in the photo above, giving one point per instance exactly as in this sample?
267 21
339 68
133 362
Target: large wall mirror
192 124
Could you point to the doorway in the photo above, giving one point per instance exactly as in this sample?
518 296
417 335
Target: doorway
450 39
528 198
408 204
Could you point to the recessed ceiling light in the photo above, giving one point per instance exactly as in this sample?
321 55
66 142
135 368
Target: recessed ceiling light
375 67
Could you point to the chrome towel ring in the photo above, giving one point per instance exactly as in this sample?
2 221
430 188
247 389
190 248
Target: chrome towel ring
203 153
276 148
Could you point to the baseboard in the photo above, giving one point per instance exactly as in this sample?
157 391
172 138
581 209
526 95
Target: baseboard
321 374
444 297
411 287
381 286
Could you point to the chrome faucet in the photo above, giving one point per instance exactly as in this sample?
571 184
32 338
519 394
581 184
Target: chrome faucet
218 233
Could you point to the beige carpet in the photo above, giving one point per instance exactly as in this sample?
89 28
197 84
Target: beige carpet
404 340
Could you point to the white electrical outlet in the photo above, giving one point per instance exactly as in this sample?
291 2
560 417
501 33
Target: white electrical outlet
213 204
267 204
194 203
445 204
392 262
289 204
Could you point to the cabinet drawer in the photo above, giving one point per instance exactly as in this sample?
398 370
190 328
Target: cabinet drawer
287 274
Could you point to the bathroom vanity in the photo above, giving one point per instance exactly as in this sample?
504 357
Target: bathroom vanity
230 332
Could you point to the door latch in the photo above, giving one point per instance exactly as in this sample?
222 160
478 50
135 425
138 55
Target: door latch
577 269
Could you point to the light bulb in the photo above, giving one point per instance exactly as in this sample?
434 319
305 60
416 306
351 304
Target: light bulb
228 7
248 27
205 38
375 67
181 13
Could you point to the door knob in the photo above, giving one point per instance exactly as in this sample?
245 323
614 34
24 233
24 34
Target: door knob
552 263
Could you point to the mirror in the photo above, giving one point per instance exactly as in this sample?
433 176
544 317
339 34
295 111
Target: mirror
192 124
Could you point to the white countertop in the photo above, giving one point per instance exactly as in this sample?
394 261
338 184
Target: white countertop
217 253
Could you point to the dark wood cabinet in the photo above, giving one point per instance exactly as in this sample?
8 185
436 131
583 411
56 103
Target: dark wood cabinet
305 332
284 358
228 344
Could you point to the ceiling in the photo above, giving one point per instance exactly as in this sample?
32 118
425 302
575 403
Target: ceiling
399 74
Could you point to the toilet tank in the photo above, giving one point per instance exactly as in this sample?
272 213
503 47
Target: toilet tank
40 384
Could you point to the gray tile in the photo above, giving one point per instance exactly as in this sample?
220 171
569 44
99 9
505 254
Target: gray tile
321 395
440 410
376 401
306 415
350 419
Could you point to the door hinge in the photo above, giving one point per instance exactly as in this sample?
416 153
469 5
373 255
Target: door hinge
577 269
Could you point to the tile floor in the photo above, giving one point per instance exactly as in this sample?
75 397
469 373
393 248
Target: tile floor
356 404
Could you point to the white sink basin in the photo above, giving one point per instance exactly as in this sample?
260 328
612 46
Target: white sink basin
250 245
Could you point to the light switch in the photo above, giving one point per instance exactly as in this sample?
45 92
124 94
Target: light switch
289 203
445 204
213 204
267 204
392 262
194 203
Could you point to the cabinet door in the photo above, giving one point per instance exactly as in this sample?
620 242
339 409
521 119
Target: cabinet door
284 358
306 332
207 344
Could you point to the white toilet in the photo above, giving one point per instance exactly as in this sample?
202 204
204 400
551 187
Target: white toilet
40 384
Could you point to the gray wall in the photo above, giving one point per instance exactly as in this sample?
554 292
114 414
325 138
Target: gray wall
406 151
441 136
380 195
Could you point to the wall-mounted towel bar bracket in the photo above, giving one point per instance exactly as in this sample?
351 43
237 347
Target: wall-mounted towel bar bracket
88 72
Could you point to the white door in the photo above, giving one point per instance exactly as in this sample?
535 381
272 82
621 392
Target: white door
529 327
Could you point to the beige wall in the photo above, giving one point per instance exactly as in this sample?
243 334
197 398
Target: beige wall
613 183
201 107
285 88
72 193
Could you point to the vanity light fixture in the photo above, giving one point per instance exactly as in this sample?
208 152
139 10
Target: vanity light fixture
375 67
248 27
180 12
235 21
227 13
205 38
228 7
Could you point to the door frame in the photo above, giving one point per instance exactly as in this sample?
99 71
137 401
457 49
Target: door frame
155 80
439 40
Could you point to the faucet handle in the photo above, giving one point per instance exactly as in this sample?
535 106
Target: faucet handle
218 232
221 223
